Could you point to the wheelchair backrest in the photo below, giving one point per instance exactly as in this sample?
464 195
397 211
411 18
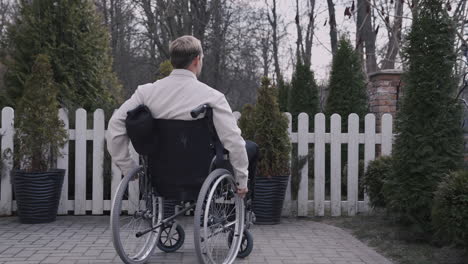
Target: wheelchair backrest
182 159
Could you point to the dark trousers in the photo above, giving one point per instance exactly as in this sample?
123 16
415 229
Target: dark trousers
252 153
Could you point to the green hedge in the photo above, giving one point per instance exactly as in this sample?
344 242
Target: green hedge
374 178
450 211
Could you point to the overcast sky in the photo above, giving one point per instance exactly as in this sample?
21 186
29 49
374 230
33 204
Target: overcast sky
321 51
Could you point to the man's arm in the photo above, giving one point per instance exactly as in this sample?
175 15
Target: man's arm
230 135
117 139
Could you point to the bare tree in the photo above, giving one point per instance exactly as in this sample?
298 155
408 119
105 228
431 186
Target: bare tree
299 44
234 51
236 38
201 13
460 20
365 36
266 51
393 28
304 52
394 36
332 23
216 50
120 18
273 20
6 9
309 38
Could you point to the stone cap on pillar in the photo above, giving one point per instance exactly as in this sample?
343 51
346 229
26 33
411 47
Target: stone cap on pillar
385 72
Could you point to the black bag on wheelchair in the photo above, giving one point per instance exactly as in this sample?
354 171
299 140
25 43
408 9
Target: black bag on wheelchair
140 126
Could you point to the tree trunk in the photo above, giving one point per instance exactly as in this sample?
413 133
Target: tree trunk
273 19
394 37
201 15
299 48
365 36
332 23
265 42
309 40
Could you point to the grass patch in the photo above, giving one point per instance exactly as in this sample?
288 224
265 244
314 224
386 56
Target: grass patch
400 245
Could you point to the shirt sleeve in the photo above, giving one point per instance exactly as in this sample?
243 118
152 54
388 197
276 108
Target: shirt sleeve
117 138
230 135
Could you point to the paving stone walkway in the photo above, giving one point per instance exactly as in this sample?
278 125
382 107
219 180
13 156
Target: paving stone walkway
87 239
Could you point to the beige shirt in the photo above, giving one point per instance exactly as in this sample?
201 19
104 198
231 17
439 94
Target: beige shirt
173 98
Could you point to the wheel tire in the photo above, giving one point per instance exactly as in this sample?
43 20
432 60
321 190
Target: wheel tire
246 244
179 241
246 248
150 239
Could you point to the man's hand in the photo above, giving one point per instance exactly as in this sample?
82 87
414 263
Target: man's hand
242 192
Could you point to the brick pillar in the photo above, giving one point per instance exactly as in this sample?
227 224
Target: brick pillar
384 93
384 96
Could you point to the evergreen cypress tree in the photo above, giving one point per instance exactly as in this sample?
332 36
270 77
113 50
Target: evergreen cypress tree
71 34
283 95
303 95
347 85
347 94
429 142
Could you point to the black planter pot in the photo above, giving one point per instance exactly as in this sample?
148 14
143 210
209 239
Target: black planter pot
37 195
268 199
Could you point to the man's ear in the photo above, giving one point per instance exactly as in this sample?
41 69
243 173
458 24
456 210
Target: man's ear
197 60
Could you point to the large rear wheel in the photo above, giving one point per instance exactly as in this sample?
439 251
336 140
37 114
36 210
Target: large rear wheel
219 213
135 211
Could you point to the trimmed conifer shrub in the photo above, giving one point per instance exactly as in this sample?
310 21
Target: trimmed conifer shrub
429 138
39 132
71 34
247 123
271 133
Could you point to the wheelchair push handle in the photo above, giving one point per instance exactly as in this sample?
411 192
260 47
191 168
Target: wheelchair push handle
199 110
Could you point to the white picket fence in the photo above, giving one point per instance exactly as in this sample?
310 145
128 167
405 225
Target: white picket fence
302 207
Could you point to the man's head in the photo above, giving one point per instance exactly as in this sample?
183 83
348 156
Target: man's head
187 53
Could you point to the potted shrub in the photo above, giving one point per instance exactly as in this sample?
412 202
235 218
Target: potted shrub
39 135
246 122
268 128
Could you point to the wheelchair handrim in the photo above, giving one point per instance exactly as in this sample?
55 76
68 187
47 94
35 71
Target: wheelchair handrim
150 241
238 228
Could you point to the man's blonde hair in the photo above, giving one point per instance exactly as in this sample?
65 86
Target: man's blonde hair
183 50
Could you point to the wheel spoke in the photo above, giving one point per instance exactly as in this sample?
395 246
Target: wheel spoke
219 213
125 226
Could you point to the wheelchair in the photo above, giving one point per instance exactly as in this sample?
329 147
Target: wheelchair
190 169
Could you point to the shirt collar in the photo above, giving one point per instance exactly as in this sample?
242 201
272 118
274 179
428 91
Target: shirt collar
183 72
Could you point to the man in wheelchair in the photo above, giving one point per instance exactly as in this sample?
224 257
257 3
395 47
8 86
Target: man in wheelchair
194 152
